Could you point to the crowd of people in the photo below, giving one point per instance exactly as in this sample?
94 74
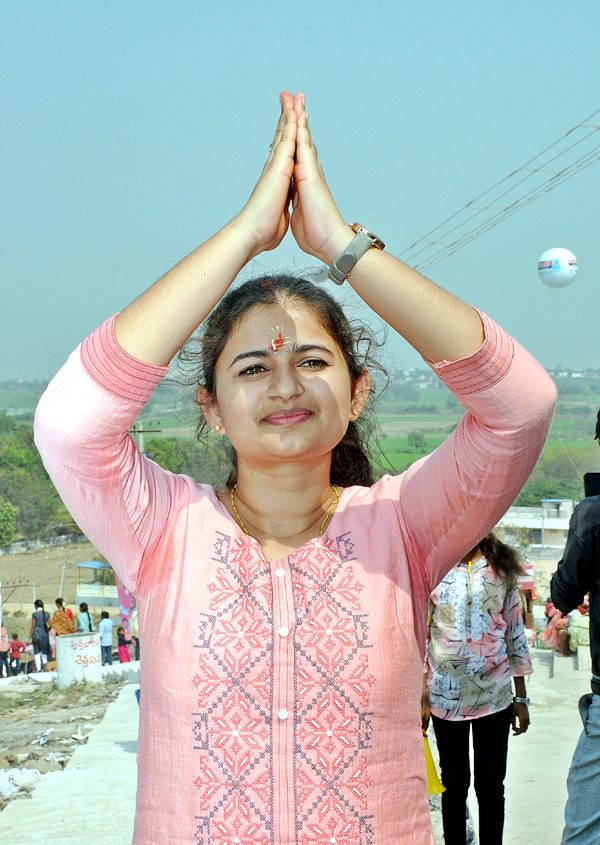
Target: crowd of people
39 650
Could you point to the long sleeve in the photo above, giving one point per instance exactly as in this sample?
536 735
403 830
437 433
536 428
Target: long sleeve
450 499
119 498
578 569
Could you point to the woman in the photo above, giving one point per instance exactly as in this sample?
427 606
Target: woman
4 647
476 643
39 635
292 700
61 603
61 621
85 623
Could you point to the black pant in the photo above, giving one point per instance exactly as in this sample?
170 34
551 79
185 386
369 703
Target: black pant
490 748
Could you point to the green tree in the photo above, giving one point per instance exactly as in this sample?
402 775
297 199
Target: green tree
416 440
207 464
25 483
8 522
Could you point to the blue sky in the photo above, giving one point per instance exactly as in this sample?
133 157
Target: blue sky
133 130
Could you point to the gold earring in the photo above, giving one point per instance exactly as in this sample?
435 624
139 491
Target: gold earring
217 427
355 412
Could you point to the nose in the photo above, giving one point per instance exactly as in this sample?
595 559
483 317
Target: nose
286 382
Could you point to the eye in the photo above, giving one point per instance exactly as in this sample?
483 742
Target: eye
314 364
253 370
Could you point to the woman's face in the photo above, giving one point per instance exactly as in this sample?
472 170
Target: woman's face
283 390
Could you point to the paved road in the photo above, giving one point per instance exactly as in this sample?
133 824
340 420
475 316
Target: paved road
538 761
93 799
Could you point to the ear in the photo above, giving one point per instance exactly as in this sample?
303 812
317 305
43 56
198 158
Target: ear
361 390
210 409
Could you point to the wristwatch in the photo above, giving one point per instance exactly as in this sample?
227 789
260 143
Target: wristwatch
362 241
518 699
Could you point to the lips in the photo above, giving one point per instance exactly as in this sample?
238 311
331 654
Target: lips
290 416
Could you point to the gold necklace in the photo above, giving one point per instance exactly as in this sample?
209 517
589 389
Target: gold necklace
323 523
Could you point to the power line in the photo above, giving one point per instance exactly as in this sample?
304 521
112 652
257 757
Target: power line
540 178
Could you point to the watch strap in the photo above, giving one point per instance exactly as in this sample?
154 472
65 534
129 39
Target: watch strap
341 268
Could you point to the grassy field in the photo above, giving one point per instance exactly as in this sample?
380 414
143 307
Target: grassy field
421 406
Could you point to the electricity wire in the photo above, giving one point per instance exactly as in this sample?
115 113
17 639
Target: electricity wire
457 233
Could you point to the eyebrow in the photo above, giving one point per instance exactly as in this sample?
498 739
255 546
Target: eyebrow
267 353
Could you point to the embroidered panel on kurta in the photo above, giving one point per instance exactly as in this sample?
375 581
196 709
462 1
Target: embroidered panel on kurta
282 680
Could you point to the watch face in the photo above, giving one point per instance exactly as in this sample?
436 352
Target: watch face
377 242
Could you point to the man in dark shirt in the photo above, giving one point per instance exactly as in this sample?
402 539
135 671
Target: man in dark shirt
579 573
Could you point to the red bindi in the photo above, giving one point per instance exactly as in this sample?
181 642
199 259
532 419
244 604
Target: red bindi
277 343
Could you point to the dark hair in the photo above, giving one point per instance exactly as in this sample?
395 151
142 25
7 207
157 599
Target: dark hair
502 558
60 603
104 614
351 458
84 609
597 436
120 628
15 636
38 603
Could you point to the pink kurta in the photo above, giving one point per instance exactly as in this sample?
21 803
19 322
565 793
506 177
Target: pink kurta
290 712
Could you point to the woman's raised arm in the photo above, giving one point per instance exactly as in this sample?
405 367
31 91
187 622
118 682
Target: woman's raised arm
158 322
437 324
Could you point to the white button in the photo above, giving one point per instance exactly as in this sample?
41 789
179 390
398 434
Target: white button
236 838
283 631
280 573
236 733
283 714
329 631
329 733
240 634
333 839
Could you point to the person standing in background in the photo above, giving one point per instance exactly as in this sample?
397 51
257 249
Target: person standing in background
123 646
106 638
16 649
85 623
476 643
578 573
133 627
39 635
61 621
4 647
61 603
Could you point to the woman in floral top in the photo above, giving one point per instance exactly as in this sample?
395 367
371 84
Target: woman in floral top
476 643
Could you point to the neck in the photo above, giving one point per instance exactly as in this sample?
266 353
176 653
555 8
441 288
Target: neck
282 507
473 555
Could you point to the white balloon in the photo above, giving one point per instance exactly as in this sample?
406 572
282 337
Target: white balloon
557 267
